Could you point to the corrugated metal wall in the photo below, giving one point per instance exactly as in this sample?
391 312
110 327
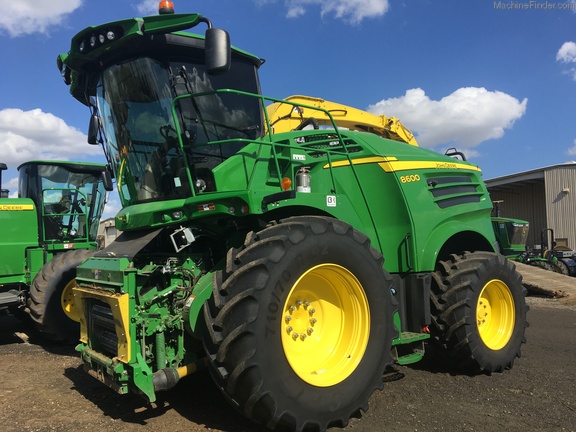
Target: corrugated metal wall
527 203
561 209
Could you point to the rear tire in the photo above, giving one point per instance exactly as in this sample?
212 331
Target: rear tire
479 311
51 301
301 324
562 268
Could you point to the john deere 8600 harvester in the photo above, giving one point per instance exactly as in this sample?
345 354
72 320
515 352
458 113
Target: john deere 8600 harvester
296 262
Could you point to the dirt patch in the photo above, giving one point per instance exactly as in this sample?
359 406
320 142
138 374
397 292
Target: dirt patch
44 388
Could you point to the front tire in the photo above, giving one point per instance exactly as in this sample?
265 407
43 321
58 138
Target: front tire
479 311
51 301
301 324
543 264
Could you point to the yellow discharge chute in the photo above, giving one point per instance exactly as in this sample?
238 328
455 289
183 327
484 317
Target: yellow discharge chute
285 117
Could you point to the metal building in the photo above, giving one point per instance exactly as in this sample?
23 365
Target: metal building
107 232
545 197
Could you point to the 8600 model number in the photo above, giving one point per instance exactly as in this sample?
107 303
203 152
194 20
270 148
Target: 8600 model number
410 178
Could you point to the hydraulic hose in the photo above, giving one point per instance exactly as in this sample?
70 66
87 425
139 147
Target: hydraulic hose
160 350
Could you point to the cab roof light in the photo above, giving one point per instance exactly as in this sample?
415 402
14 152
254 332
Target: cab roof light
100 38
165 7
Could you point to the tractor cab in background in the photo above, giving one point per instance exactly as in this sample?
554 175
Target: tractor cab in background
511 235
54 220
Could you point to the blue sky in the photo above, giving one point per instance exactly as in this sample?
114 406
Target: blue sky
495 79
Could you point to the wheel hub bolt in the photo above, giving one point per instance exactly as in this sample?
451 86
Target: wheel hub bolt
288 318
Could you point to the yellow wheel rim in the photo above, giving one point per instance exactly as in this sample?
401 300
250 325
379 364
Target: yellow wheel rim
495 315
67 301
325 325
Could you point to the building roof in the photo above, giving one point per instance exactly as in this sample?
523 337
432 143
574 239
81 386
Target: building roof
523 179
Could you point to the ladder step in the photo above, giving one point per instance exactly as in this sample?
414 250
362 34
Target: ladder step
410 337
408 348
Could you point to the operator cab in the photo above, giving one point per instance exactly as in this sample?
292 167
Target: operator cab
158 116
161 102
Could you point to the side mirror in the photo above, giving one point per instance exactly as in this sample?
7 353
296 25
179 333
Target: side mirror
218 51
93 129
107 180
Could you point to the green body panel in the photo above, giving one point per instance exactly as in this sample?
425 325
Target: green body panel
36 258
141 300
403 219
201 293
19 222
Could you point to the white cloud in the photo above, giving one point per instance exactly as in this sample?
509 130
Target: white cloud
295 11
34 134
353 11
147 7
11 185
22 17
464 118
567 53
572 150
112 206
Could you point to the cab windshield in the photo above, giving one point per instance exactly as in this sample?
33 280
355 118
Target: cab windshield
142 103
517 232
72 203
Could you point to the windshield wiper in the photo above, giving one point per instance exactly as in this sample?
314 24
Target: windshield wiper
177 81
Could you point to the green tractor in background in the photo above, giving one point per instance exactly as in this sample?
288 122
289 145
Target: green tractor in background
294 258
46 233
561 259
512 235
